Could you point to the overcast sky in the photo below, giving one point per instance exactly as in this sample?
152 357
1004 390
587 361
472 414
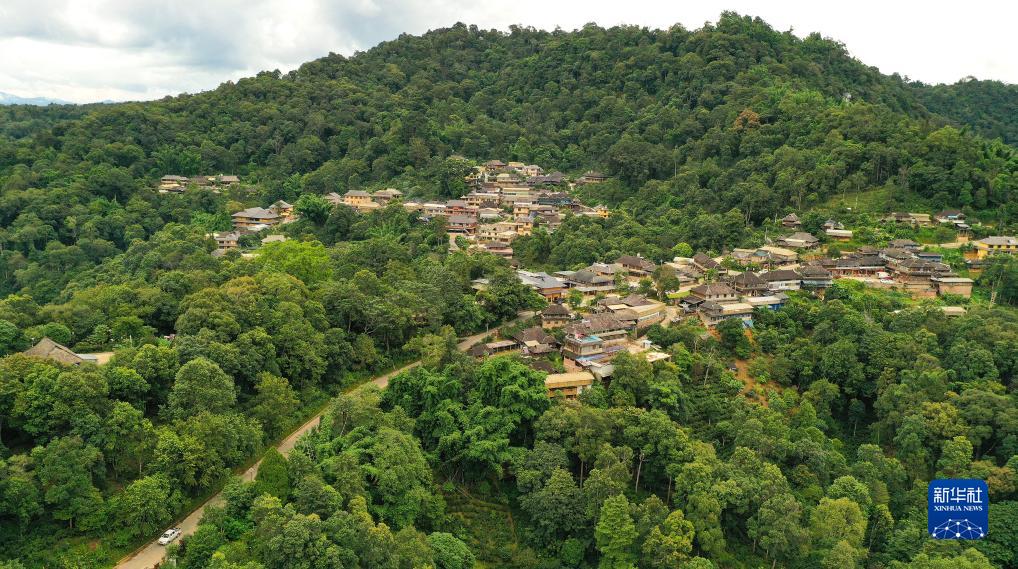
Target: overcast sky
93 50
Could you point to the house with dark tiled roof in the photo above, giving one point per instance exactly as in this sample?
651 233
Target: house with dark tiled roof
588 282
748 283
715 292
906 244
591 177
815 277
637 266
555 316
550 287
535 341
894 255
782 279
703 263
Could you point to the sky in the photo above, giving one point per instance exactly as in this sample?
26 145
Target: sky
95 50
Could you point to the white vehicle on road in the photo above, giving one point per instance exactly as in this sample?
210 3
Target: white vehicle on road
170 535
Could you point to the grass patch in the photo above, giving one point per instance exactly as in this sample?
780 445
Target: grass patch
486 527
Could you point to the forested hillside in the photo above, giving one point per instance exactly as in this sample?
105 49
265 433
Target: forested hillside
989 107
858 398
690 124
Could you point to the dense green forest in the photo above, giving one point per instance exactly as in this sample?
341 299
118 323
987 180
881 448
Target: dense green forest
708 135
825 466
691 125
988 107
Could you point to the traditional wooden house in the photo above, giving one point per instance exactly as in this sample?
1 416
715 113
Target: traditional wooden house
748 283
255 219
815 277
704 264
782 279
799 240
555 316
791 221
636 266
551 288
592 177
715 292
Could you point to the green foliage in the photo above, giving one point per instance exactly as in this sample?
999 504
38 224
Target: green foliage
615 534
707 135
274 404
11 338
273 477
145 506
307 261
987 106
200 385
450 552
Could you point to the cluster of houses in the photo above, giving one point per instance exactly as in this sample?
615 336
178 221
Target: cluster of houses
711 293
505 201
590 341
365 202
903 264
172 184
253 220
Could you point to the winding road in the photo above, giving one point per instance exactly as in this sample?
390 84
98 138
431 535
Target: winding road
151 554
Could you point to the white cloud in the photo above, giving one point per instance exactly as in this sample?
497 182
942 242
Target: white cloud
89 50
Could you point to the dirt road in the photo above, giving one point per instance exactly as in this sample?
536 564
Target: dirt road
152 553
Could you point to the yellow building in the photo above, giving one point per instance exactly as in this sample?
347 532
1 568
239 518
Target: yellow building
359 200
568 385
996 245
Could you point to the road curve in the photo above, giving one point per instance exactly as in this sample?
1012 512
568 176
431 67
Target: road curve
151 554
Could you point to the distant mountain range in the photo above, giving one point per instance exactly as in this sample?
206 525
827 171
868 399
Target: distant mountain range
8 99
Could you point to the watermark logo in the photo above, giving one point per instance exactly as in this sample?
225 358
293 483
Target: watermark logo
958 509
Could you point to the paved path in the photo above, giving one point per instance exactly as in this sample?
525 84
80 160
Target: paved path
151 554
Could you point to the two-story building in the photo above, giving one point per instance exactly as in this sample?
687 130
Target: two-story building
815 277
791 221
284 210
254 219
748 283
713 313
995 245
641 310
555 316
568 385
359 200
588 282
781 280
551 288
461 224
715 292
383 197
